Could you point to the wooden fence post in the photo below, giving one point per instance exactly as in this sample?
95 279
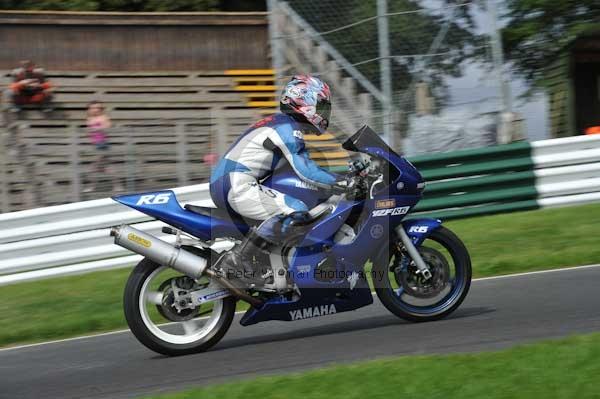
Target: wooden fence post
221 132
182 159
4 183
129 164
75 173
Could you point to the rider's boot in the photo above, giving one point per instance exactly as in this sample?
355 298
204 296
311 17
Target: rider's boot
237 264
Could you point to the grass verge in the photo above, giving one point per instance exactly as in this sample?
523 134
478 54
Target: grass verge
529 241
62 307
502 244
555 369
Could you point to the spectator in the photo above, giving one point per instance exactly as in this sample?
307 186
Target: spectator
593 130
30 87
98 123
211 158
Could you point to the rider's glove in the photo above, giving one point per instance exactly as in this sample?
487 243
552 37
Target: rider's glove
353 187
358 167
344 186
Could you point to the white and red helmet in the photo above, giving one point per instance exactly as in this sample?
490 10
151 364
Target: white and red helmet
309 98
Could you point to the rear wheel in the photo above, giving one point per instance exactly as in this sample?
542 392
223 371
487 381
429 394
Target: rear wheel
165 324
404 292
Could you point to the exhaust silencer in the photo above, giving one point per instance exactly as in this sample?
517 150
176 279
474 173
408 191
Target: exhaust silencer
159 251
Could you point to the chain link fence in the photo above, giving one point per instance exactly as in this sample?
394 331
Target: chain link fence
425 74
431 69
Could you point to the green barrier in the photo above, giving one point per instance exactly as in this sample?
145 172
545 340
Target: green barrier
479 168
443 158
476 181
511 179
491 196
481 210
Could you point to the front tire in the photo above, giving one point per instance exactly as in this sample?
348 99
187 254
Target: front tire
138 305
404 301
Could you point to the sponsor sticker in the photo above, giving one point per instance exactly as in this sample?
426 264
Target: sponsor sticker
303 184
315 311
376 231
298 134
213 296
388 203
418 229
403 210
154 199
139 240
353 279
293 92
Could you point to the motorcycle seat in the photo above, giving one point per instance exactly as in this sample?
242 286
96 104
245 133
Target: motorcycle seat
220 213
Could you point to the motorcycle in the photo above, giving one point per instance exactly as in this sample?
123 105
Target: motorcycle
176 302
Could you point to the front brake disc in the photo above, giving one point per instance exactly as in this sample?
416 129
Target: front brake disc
414 284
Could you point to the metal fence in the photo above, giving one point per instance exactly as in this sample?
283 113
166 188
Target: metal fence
74 238
429 66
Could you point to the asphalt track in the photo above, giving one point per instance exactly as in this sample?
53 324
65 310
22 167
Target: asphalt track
498 313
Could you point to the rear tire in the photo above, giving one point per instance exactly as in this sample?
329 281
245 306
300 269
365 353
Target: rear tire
134 314
394 303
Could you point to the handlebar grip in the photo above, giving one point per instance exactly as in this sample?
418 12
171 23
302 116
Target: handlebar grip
338 189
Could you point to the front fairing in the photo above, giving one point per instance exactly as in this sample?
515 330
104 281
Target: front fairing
373 222
400 177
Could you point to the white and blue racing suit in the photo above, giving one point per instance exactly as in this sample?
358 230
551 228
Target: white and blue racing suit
234 183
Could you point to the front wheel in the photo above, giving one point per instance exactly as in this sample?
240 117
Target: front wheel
165 324
404 292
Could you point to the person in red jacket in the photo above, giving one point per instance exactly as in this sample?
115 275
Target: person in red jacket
30 87
593 130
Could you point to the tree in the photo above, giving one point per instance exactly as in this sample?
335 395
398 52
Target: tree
412 27
538 29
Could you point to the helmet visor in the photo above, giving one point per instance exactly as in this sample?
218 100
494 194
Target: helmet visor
324 110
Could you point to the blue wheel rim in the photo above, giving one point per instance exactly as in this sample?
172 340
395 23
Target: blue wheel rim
447 301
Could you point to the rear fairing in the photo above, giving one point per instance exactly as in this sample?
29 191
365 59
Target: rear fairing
163 205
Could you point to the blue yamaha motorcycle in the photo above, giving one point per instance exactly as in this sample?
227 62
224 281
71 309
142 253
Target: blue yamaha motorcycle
176 303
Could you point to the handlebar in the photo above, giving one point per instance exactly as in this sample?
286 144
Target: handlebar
357 167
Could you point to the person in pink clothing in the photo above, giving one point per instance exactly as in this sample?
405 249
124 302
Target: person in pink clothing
98 123
210 158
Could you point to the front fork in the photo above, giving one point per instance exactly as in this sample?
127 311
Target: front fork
412 233
413 252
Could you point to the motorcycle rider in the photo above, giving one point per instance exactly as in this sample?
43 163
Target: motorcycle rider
305 107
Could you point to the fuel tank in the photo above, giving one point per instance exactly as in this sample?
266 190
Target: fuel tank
286 181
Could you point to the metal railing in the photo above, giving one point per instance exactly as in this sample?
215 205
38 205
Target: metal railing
74 238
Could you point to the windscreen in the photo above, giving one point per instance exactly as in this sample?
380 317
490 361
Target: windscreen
365 137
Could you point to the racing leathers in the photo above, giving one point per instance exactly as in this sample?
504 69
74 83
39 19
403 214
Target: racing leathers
235 182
